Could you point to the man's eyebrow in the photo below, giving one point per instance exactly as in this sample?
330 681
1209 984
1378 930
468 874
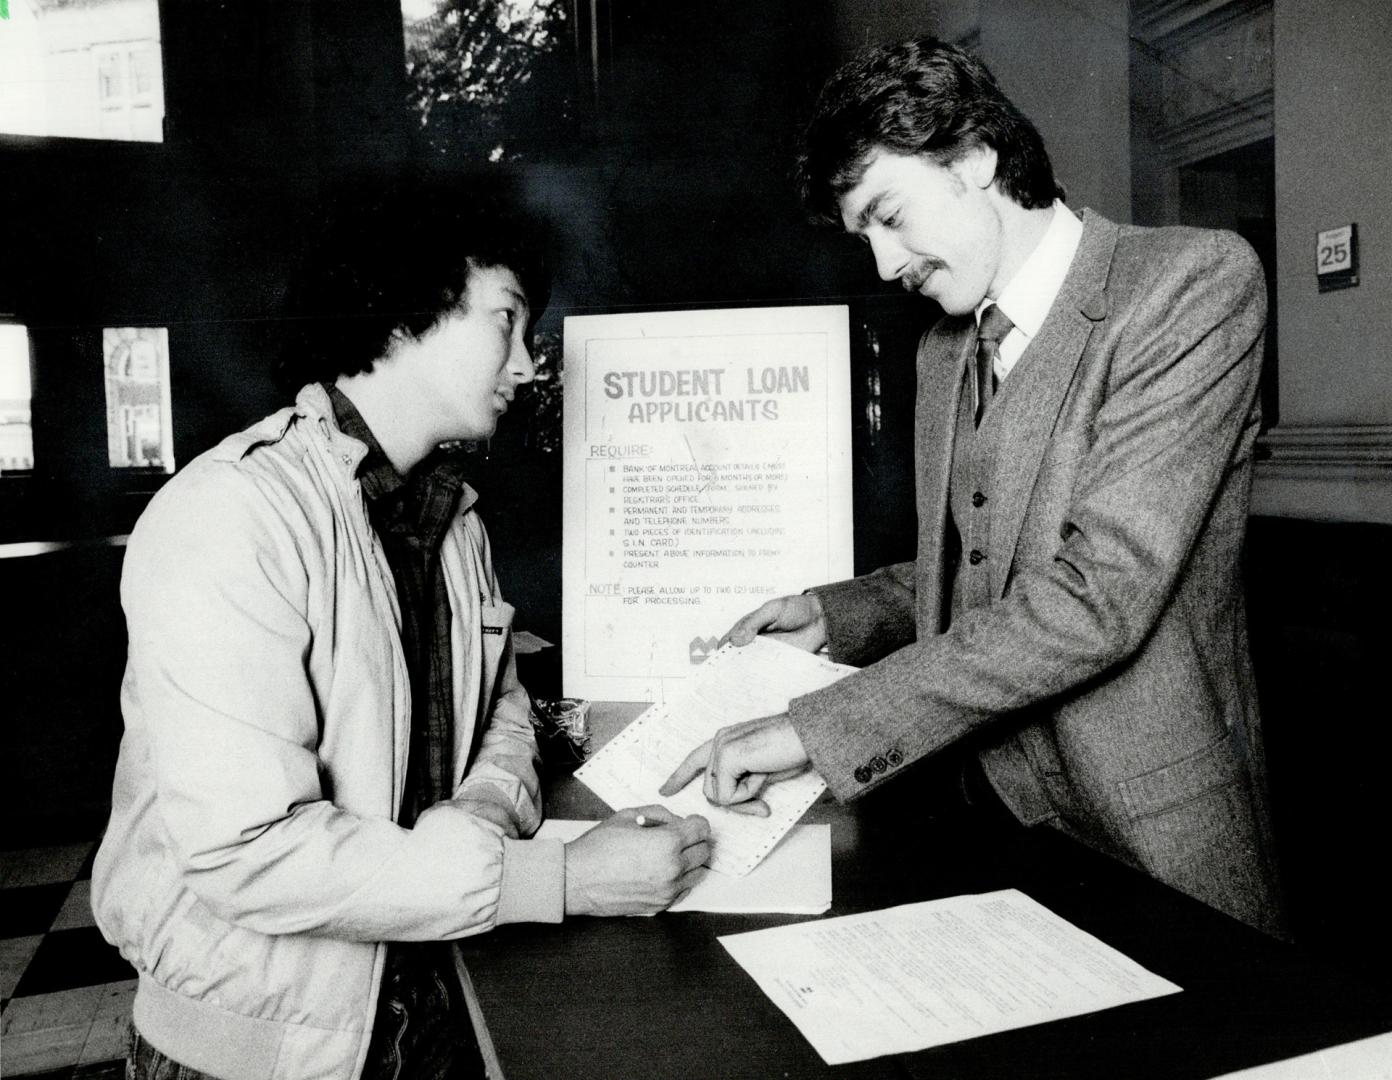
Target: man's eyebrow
868 211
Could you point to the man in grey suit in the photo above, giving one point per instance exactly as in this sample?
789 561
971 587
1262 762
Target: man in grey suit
1073 625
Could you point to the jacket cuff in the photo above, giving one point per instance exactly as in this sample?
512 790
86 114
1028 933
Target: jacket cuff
823 738
861 625
533 888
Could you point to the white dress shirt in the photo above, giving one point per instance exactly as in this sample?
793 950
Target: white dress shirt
1026 300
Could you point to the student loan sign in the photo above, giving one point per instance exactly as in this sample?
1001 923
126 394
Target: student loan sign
707 469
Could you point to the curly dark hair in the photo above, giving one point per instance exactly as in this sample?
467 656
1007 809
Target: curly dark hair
396 258
917 97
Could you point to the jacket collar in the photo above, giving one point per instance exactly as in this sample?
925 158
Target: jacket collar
1032 412
313 403
314 407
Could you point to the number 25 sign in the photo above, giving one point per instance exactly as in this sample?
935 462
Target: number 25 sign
1336 257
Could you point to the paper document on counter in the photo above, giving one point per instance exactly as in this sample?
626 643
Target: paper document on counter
911 977
795 879
734 684
1366 1059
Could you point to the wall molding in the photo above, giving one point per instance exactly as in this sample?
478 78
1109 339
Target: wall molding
1347 452
1172 24
1325 472
1210 75
1228 127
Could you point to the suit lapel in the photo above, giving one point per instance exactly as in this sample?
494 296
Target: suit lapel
1046 372
943 357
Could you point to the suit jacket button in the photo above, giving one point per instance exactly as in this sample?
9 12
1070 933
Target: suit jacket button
895 758
978 499
878 763
863 774
976 556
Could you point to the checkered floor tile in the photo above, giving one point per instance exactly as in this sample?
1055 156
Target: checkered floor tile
65 993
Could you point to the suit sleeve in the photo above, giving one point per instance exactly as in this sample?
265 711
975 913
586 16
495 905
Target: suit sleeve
1177 418
216 593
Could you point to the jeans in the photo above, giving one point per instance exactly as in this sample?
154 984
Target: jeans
422 1030
144 1062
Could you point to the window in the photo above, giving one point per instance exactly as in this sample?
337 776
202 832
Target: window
16 432
486 77
138 415
90 70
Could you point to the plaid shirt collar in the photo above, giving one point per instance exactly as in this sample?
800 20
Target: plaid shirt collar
424 502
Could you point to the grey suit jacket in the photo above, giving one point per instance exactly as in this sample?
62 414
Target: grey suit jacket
1107 684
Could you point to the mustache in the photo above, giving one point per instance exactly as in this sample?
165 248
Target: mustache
920 272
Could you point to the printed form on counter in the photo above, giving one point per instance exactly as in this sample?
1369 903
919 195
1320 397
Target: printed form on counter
920 975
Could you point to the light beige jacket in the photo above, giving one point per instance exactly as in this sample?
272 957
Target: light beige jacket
251 871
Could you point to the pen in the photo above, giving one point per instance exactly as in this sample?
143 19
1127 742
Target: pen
643 822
